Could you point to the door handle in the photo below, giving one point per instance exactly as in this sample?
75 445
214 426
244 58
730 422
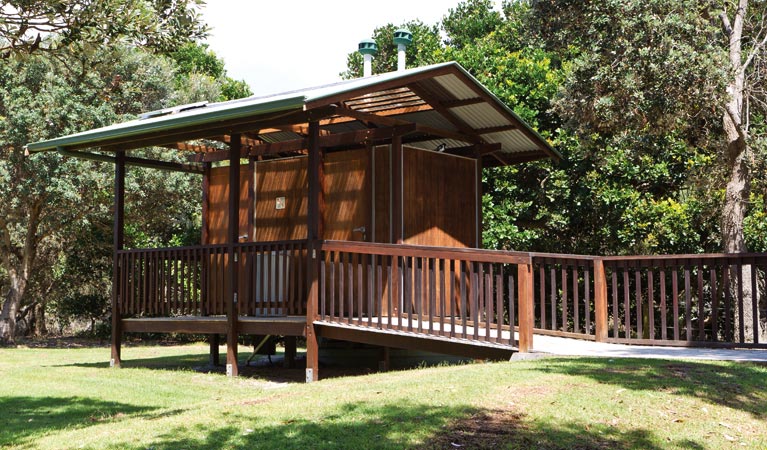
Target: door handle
362 230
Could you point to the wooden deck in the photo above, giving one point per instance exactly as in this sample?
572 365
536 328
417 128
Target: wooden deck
282 326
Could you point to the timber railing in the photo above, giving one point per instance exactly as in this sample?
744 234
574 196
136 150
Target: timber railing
447 292
564 295
678 300
480 295
686 300
193 281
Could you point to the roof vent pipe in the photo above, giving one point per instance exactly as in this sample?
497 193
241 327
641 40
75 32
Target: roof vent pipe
402 38
368 48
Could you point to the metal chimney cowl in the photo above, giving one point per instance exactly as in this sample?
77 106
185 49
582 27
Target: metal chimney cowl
402 38
367 48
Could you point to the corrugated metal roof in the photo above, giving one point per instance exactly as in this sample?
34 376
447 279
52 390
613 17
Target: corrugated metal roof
390 91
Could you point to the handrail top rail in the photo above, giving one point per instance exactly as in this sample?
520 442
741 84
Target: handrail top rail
564 256
468 254
691 256
212 246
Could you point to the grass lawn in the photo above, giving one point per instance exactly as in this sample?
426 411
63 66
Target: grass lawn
69 398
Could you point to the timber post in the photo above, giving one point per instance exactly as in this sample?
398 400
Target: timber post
234 272
600 301
213 340
526 319
398 221
314 254
118 235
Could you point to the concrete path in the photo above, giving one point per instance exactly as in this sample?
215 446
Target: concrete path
576 347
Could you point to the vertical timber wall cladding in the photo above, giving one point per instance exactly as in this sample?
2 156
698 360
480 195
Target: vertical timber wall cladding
218 204
439 199
285 179
347 196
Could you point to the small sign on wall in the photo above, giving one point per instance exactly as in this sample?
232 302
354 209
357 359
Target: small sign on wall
279 203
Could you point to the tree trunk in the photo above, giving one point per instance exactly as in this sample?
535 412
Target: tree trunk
10 310
735 123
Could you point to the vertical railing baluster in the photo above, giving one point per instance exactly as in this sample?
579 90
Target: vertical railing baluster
542 290
553 274
512 309
432 291
701 310
576 299
754 302
587 291
370 284
687 303
626 303
638 295
741 310
728 331
379 262
616 315
663 305
565 297
341 286
488 301
651 301
675 299
499 306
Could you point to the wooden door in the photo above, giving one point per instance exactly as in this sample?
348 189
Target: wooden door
347 196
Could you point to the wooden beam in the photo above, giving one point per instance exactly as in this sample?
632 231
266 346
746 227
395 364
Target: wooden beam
208 130
187 147
381 86
498 129
463 102
510 159
471 84
456 121
233 266
118 240
138 162
361 137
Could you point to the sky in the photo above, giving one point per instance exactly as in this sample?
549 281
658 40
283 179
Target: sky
278 46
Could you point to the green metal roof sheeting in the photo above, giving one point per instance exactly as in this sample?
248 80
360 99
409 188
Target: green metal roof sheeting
209 114
251 106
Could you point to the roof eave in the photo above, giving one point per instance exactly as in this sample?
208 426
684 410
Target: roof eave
165 123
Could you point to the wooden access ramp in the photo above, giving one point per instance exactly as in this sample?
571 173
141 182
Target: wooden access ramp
458 341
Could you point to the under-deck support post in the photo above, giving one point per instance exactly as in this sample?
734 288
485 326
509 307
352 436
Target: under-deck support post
214 350
234 272
118 243
290 352
314 237
600 301
526 320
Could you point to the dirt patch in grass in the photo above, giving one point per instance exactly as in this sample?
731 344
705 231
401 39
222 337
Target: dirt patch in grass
484 429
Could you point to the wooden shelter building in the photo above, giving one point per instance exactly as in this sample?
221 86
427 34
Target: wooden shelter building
350 211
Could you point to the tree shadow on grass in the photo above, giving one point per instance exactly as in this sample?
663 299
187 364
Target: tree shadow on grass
25 418
739 386
260 368
410 425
